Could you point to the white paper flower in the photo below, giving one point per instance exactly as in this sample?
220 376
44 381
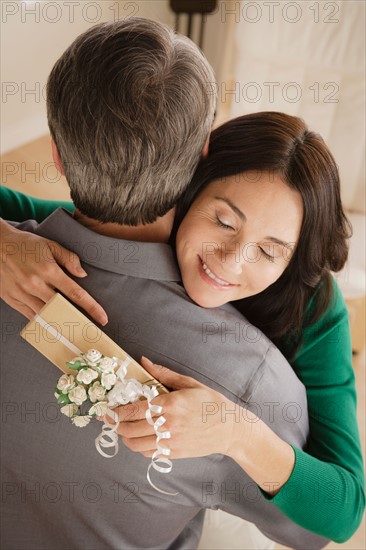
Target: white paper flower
69 410
107 364
86 376
108 380
133 390
92 357
78 395
100 408
65 383
80 421
96 392
78 359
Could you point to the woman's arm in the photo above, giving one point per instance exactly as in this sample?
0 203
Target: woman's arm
321 487
194 414
27 285
325 492
17 207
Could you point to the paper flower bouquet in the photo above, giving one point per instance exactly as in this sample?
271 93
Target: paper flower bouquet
95 381
95 375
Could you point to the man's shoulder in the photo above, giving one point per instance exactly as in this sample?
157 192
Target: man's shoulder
28 225
218 347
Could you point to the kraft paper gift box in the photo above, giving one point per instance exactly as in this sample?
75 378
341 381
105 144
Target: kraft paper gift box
59 326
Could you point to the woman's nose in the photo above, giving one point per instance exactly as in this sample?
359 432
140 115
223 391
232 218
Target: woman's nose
231 257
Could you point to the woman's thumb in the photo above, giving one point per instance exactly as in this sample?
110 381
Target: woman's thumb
168 377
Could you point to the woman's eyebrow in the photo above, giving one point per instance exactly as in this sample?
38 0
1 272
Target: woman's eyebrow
243 217
233 207
277 241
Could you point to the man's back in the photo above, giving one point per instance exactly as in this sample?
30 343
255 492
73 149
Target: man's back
58 492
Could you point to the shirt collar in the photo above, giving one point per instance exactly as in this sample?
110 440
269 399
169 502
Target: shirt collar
137 259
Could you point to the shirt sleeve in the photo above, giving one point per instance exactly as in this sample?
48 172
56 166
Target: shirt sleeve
325 492
16 206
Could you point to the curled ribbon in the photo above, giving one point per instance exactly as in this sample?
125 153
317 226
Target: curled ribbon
129 391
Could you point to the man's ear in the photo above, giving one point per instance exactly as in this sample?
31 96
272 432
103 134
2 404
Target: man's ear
56 158
204 153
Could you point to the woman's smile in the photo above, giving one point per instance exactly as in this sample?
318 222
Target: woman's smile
211 278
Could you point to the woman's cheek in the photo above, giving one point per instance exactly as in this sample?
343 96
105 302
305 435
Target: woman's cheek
263 274
271 273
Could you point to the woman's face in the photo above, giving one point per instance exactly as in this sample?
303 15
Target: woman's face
238 237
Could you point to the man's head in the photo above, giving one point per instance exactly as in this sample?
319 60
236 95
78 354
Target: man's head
130 105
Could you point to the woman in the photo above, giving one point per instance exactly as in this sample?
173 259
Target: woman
262 226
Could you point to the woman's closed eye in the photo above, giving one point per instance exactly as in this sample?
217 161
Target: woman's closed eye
221 223
268 256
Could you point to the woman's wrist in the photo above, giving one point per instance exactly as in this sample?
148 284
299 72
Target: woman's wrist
265 457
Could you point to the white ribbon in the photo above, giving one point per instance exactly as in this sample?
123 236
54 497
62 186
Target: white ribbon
56 334
125 391
129 391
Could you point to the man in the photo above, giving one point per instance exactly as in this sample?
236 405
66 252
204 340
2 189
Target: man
129 109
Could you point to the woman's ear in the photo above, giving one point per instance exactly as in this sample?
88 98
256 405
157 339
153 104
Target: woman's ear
56 158
204 153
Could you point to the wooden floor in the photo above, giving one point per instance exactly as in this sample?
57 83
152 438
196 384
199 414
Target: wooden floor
30 169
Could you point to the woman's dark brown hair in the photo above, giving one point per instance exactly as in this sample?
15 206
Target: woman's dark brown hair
282 144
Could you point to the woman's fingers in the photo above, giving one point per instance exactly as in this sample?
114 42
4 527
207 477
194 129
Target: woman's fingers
25 303
133 430
29 280
32 292
79 296
168 377
57 279
142 444
21 308
69 260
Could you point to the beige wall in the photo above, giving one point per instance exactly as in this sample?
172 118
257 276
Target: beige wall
307 59
35 33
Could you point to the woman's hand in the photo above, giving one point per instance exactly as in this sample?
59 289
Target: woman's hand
30 274
193 415
203 422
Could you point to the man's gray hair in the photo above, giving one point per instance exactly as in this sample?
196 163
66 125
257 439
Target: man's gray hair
130 105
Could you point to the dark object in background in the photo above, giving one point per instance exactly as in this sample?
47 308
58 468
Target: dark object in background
192 7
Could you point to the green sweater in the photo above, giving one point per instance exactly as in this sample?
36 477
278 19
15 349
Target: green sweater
325 492
18 207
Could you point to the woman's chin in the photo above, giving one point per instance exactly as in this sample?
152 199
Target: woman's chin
207 302
210 302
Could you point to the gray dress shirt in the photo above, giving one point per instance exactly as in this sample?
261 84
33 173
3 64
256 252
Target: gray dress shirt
58 492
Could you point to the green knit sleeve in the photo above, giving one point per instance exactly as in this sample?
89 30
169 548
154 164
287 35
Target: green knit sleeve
325 492
18 207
